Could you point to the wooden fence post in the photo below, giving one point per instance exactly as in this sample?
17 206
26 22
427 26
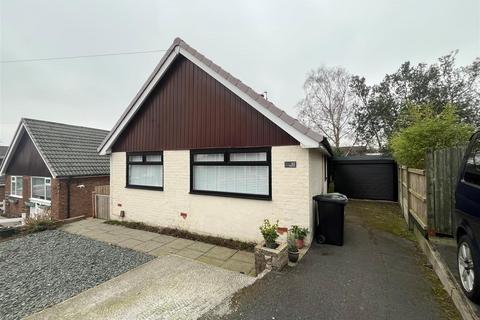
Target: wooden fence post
410 224
430 176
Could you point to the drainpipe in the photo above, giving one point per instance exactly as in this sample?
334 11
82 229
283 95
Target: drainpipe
68 196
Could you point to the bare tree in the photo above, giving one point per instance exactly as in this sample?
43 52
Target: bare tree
328 106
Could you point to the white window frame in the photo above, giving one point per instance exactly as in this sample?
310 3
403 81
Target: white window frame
45 184
12 178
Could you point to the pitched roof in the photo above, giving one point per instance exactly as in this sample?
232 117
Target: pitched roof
67 150
3 151
307 137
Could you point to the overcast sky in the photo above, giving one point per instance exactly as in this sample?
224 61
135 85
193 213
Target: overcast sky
270 45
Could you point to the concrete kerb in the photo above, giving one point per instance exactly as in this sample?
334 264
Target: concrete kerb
446 277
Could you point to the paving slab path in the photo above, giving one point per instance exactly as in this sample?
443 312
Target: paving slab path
171 287
162 245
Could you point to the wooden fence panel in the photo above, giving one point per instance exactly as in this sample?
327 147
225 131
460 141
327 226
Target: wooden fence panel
102 189
428 196
417 189
443 166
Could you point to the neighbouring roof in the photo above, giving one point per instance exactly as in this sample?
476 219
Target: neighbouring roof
366 157
67 150
307 137
3 151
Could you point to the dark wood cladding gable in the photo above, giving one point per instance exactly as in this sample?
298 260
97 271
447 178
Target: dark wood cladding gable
26 161
189 109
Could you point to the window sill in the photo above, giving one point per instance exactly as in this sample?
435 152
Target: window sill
233 195
40 201
14 196
144 187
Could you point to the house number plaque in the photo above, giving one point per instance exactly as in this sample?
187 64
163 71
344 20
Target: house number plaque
290 164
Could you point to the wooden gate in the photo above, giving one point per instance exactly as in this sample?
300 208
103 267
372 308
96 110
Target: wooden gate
102 206
101 199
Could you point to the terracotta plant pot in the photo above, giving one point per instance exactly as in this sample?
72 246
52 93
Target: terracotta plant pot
300 243
293 256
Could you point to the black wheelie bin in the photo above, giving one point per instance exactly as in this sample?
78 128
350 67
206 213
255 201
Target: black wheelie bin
329 218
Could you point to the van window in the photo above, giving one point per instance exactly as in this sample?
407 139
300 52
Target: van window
472 167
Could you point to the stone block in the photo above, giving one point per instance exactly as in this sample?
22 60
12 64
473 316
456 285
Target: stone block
272 259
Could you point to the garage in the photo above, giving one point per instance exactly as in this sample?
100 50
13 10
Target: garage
366 177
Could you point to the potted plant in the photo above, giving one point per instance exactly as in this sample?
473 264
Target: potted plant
300 234
292 248
269 233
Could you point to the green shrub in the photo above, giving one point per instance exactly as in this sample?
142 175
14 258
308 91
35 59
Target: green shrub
269 231
428 131
298 232
40 222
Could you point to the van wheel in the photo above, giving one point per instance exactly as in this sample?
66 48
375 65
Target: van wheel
468 268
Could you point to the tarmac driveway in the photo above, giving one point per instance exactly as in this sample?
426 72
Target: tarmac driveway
375 275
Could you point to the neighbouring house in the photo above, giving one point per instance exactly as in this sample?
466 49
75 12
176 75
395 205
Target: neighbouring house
53 166
3 151
199 150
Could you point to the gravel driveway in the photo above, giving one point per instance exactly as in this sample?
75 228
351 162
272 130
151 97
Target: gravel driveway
42 269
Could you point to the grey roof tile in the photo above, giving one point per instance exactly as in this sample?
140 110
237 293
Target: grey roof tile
3 151
69 150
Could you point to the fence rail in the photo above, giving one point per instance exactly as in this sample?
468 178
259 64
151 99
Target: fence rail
428 196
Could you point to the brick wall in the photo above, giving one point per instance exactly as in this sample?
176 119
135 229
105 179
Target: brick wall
59 191
2 193
15 206
81 202
80 197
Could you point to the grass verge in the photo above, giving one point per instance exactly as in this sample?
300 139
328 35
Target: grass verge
228 243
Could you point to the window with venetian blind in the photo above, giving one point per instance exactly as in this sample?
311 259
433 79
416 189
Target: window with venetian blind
232 172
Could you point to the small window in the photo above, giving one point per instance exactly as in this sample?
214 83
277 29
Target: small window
209 157
248 156
16 186
135 158
236 173
41 188
153 158
472 167
145 171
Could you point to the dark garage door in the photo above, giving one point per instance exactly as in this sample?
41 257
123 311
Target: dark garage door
366 177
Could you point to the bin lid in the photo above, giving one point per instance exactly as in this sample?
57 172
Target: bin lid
332 197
